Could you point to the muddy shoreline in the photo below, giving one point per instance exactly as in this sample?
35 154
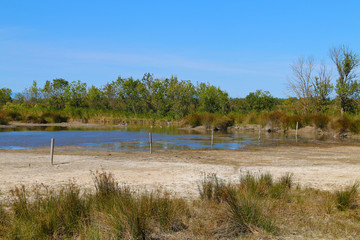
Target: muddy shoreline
322 167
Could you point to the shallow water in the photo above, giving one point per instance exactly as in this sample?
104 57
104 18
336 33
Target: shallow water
136 138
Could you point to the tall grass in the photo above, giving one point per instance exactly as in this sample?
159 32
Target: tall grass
258 205
245 212
53 215
133 214
212 188
346 199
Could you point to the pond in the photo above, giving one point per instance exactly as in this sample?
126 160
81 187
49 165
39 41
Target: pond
137 138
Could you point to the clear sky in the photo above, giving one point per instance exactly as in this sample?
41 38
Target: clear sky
240 46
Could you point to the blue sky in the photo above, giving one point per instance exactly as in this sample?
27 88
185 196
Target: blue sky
240 46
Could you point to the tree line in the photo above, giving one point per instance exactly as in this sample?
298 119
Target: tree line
310 86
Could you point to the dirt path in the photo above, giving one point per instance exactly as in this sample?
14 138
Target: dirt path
179 171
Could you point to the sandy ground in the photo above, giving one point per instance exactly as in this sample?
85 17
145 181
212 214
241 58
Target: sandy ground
321 167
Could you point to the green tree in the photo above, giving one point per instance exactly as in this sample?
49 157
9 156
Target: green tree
133 92
54 92
95 97
5 95
347 87
113 96
75 94
32 94
212 99
260 101
180 97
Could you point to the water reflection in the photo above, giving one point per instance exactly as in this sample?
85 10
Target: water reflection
136 138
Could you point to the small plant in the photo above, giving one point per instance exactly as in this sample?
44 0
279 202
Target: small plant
287 180
212 188
256 184
346 199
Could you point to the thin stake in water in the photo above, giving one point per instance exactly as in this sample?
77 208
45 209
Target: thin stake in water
150 142
212 138
52 151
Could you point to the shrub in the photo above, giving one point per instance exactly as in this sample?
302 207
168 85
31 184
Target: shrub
193 119
342 124
290 121
321 121
35 119
3 119
355 126
222 123
273 120
15 116
53 117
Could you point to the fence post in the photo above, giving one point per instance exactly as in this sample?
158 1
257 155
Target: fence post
212 138
52 151
296 132
259 132
150 142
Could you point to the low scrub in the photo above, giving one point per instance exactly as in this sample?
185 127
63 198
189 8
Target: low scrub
320 121
208 120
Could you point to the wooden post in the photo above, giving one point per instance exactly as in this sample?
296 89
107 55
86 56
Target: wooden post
212 138
259 132
52 151
296 131
150 142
